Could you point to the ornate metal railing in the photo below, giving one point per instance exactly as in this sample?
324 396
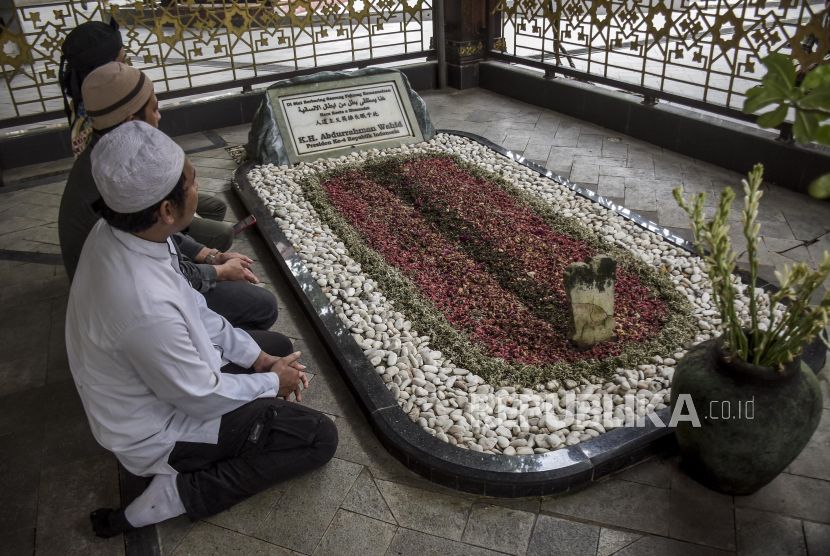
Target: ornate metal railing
703 53
189 47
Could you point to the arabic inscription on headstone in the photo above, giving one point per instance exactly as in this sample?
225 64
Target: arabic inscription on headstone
337 116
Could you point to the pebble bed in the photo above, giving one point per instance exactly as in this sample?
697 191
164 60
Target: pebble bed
455 404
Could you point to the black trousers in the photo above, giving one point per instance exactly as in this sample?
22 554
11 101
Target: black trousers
260 444
245 305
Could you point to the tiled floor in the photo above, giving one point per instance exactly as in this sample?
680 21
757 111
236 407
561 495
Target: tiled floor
364 502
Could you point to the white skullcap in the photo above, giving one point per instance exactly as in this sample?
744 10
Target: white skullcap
135 166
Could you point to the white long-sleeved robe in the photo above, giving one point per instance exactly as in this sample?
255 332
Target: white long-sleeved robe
145 352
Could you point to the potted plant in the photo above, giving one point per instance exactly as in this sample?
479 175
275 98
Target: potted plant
756 404
803 94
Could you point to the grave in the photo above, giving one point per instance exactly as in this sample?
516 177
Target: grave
434 272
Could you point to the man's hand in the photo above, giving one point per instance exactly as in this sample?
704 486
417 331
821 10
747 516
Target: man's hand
291 372
225 257
297 391
236 269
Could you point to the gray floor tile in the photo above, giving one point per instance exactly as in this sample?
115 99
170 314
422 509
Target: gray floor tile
762 533
671 215
552 535
33 196
171 532
792 495
193 141
316 359
351 533
614 147
22 374
14 223
82 484
537 151
637 159
358 444
303 514
205 539
18 542
291 323
24 333
57 364
249 515
25 295
516 142
217 153
43 213
214 185
21 454
329 394
626 172
486 116
430 512
364 498
70 440
565 137
585 173
813 460
611 541
699 515
611 186
55 188
655 472
805 228
818 538
668 170
462 125
639 199
528 504
221 174
30 410
26 272
41 234
66 496
487 525
16 175
201 161
414 543
616 503
658 546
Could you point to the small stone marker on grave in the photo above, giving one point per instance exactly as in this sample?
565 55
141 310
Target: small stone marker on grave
590 290
330 114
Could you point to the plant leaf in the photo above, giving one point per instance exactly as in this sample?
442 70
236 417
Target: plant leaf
823 135
820 187
780 72
806 126
759 96
816 78
773 118
816 99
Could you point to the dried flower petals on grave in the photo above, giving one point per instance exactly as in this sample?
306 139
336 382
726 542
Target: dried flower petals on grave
487 264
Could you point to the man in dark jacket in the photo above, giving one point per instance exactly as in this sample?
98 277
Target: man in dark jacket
116 93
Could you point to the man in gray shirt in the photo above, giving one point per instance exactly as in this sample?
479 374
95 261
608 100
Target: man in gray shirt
113 94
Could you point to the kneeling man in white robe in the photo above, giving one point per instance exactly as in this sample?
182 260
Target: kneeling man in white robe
169 386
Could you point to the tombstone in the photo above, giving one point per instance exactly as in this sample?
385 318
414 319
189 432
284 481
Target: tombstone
330 114
590 290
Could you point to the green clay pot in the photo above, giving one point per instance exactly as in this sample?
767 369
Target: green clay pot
754 420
